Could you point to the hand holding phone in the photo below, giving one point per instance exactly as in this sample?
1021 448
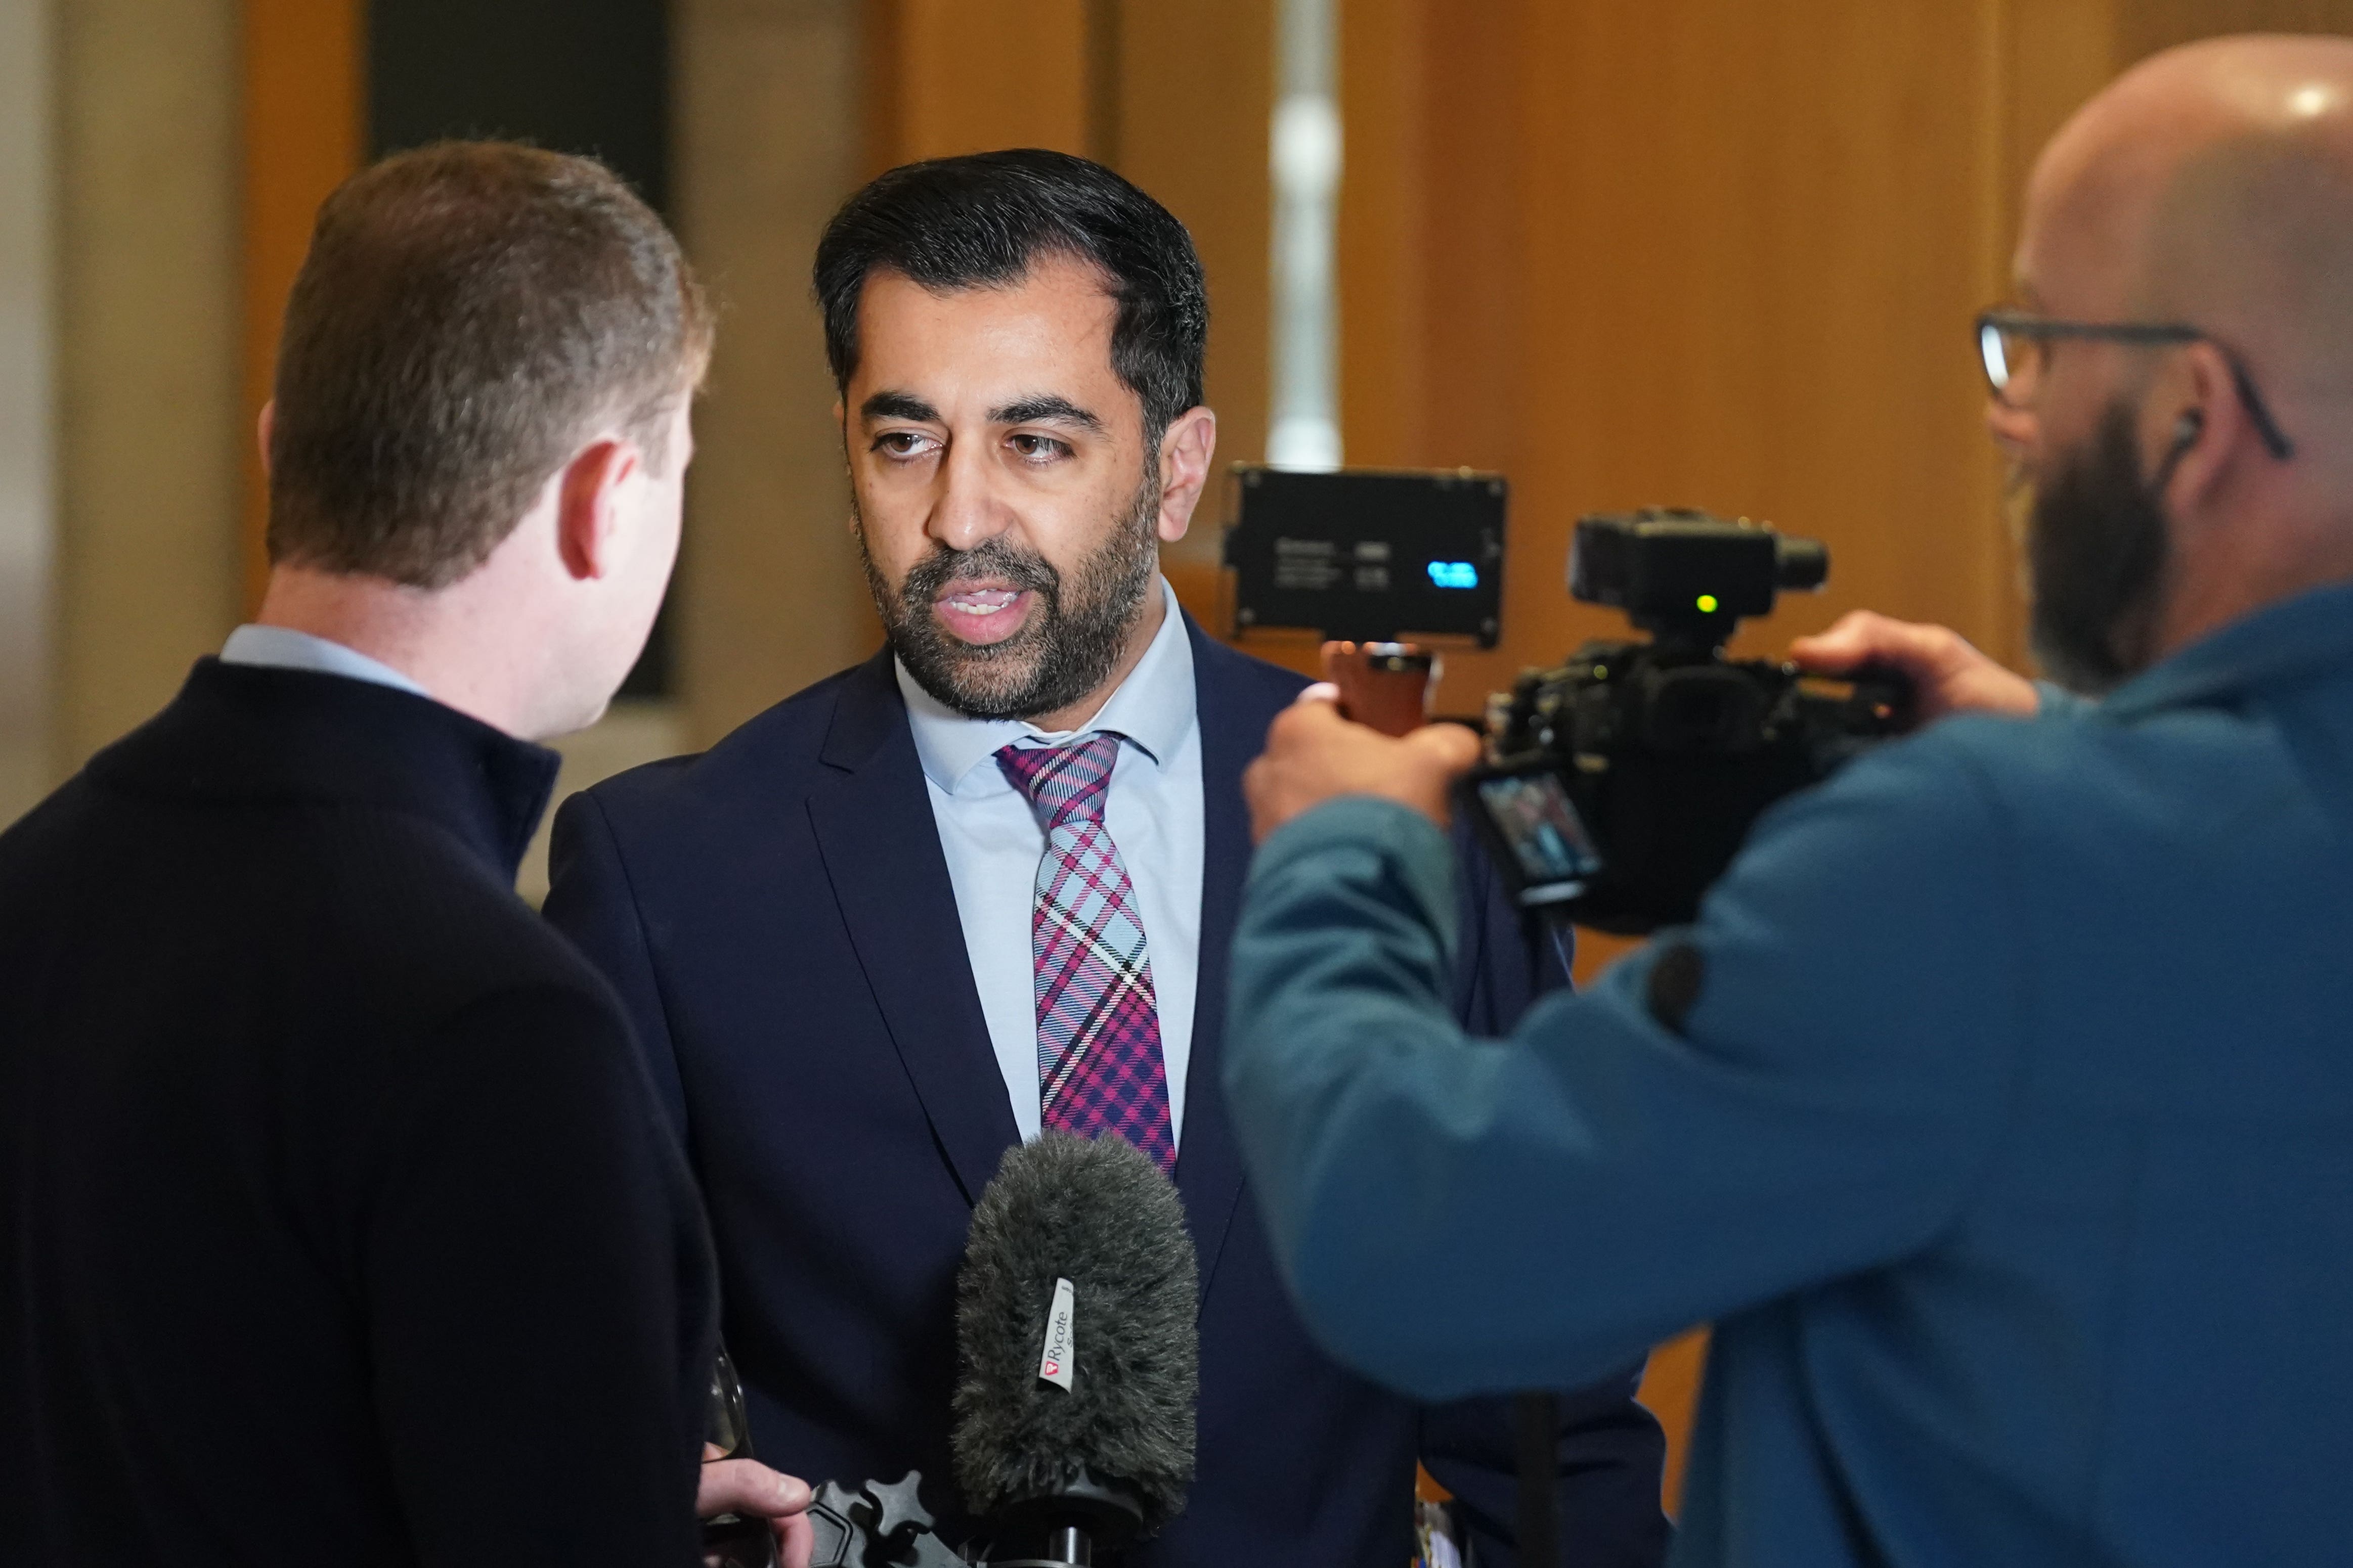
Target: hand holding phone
1384 686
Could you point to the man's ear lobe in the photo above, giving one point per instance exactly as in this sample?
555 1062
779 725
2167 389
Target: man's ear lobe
261 429
1186 449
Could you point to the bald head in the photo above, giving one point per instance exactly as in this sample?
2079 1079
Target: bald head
2180 483
2214 185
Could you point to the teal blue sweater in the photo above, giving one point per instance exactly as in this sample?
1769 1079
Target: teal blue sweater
2008 1140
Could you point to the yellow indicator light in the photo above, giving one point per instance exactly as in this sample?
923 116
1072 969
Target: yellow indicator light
1707 604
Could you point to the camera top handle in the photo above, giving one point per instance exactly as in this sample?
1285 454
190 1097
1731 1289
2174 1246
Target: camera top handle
1685 577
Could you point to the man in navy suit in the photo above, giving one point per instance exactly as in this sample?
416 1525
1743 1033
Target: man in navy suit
985 883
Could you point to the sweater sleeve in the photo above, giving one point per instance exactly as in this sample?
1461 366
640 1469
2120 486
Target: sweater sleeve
1803 1083
540 1297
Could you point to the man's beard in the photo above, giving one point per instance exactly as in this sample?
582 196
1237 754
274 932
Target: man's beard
2097 551
1072 642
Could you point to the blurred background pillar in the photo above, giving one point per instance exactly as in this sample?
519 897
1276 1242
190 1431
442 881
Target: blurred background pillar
304 103
1304 153
150 434
26 340
766 144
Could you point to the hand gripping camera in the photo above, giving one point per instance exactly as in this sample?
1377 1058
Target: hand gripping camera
1621 783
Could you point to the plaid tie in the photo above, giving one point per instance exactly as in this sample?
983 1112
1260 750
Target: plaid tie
1099 1065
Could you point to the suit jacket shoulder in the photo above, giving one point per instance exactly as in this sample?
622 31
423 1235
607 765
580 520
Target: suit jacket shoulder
771 756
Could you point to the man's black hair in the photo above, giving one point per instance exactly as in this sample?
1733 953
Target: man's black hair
982 219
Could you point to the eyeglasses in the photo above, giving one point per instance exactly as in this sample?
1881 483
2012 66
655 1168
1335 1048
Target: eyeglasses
2014 346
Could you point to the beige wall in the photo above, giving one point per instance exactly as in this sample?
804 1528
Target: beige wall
27 492
148 322
770 596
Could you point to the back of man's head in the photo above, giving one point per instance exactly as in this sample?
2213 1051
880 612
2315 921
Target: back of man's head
466 314
2251 230
979 221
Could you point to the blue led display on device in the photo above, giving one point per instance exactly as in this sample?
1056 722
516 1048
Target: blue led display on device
1453 575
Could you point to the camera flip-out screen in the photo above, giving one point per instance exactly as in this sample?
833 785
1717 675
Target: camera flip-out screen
1534 822
1371 555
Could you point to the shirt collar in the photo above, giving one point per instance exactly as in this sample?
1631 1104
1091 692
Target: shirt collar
277 732
283 648
1153 708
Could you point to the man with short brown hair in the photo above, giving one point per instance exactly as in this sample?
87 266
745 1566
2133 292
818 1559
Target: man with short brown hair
338 1224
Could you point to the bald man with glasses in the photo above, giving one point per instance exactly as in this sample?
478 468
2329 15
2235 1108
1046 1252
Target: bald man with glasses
1997 1108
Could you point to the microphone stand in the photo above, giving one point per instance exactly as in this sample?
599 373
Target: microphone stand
1064 1528
1537 1417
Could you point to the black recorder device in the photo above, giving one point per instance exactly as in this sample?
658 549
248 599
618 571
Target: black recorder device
1620 784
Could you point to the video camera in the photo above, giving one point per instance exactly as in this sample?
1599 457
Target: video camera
1621 783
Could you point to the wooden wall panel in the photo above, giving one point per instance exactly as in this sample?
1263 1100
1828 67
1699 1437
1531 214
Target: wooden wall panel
1433 267
2056 54
2144 27
1196 92
1384 239
1755 235
946 76
304 106
1711 254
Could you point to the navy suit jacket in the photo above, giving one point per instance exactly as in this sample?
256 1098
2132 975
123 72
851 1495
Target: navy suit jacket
776 914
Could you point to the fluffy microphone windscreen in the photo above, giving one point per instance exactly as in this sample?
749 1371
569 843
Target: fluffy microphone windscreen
1100 1215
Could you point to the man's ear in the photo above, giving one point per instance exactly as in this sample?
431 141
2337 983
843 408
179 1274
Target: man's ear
2204 423
1186 448
588 513
262 427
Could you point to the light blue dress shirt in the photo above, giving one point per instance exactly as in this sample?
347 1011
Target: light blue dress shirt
282 648
993 845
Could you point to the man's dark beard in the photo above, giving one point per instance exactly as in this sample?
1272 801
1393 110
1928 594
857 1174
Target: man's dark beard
2098 548
1071 643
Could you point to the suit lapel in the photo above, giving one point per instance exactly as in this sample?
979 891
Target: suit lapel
1233 718
882 850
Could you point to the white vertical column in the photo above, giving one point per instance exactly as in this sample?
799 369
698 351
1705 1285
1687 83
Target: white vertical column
28 429
1304 153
